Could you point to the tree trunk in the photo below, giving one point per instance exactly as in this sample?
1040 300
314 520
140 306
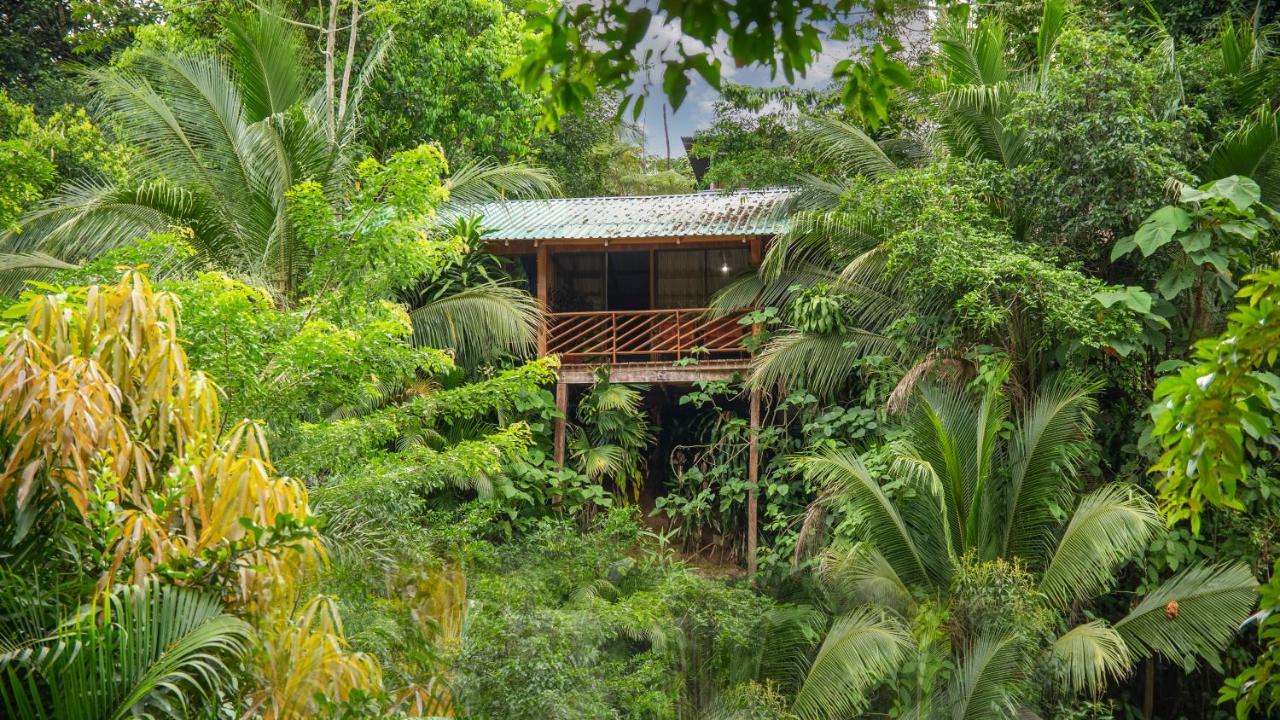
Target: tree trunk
1149 690
330 44
753 480
349 62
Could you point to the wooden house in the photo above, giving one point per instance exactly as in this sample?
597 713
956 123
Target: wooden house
625 282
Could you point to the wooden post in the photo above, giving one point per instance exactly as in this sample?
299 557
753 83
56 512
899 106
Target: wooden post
544 293
562 404
753 480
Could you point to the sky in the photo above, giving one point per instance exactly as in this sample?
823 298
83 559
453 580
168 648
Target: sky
697 110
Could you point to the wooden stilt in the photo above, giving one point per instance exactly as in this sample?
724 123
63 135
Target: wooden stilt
544 294
753 480
562 404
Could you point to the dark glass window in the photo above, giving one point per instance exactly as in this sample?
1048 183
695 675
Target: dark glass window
688 278
578 282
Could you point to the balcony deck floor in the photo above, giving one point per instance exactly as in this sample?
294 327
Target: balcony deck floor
656 373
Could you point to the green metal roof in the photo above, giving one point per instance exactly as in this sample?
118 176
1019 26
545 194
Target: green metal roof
702 214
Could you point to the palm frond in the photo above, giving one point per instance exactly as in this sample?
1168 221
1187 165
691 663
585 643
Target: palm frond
752 290
974 56
1193 615
147 651
1049 444
861 650
598 461
264 51
487 180
17 269
1167 48
479 321
1089 656
860 574
821 238
882 521
1109 528
846 146
1052 24
821 364
950 433
1248 150
169 140
812 194
987 682
788 635
87 218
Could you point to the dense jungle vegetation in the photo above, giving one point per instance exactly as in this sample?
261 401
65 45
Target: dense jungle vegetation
275 441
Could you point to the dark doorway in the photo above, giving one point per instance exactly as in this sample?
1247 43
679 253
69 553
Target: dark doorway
628 280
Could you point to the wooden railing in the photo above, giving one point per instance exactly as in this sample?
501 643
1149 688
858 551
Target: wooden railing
644 336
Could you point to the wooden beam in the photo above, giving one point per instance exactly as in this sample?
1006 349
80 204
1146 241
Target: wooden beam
753 481
562 404
656 373
544 293
757 251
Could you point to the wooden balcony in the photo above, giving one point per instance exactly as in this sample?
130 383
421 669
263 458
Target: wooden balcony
644 336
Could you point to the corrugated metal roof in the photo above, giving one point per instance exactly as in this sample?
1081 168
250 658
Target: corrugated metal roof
695 214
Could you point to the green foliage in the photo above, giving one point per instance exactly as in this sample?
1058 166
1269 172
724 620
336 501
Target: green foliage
1221 229
35 154
1212 412
461 101
145 650
1258 686
211 156
570 52
753 140
378 239
612 437
816 310
574 625
959 526
579 152
25 173
986 554
947 249
1099 144
41 37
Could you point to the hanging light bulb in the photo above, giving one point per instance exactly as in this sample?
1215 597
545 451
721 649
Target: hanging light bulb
724 269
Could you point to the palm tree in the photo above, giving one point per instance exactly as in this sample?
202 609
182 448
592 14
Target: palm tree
822 246
147 650
1253 149
221 139
978 485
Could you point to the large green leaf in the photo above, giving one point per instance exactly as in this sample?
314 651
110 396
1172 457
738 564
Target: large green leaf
1193 615
1109 528
861 650
1160 227
151 651
882 522
1089 656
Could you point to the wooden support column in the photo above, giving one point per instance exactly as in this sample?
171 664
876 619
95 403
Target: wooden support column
544 294
753 481
562 404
